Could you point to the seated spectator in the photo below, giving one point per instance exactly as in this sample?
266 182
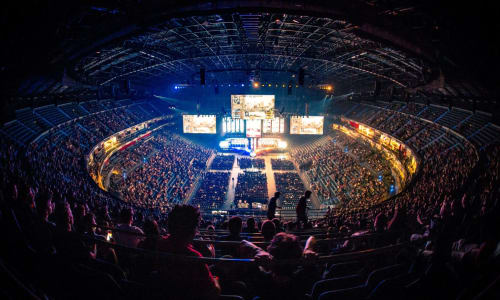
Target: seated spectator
278 225
152 231
127 234
103 250
44 229
250 226
68 243
284 280
268 230
234 226
194 279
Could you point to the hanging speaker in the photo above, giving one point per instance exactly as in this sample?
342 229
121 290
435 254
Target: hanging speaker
301 77
202 76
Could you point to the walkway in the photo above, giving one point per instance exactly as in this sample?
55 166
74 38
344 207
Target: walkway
231 189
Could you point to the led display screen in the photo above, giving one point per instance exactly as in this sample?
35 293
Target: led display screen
252 107
230 125
275 125
306 125
254 128
199 124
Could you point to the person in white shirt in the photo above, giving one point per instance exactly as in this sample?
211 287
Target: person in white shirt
126 234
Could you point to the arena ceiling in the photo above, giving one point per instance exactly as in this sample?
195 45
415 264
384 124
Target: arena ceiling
232 47
353 42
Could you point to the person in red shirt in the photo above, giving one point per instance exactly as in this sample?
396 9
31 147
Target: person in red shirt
185 279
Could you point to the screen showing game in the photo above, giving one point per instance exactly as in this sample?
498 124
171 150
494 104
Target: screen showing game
306 125
275 125
229 125
199 124
252 107
254 128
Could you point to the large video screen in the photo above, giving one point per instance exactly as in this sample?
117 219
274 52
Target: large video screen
252 107
306 125
275 125
254 128
229 125
199 124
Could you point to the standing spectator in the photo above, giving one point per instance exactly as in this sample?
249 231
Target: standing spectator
271 207
301 208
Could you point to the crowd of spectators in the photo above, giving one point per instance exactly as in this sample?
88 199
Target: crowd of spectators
56 222
291 187
249 163
251 187
409 129
212 191
223 162
282 164
338 175
394 123
166 177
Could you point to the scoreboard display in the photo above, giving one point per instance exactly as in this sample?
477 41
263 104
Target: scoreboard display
252 107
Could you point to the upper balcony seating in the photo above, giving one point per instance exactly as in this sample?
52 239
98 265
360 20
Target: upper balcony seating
453 117
125 102
28 118
52 114
362 112
473 124
160 106
343 107
433 112
109 104
486 136
139 112
18 132
150 110
73 110
92 106
413 108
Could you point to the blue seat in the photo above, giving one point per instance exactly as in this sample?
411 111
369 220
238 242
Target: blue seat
335 284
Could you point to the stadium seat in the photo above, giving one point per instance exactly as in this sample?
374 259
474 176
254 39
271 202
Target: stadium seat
335 284
343 269
344 294
378 275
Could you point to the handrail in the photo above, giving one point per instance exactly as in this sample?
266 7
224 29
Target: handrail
209 260
199 240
